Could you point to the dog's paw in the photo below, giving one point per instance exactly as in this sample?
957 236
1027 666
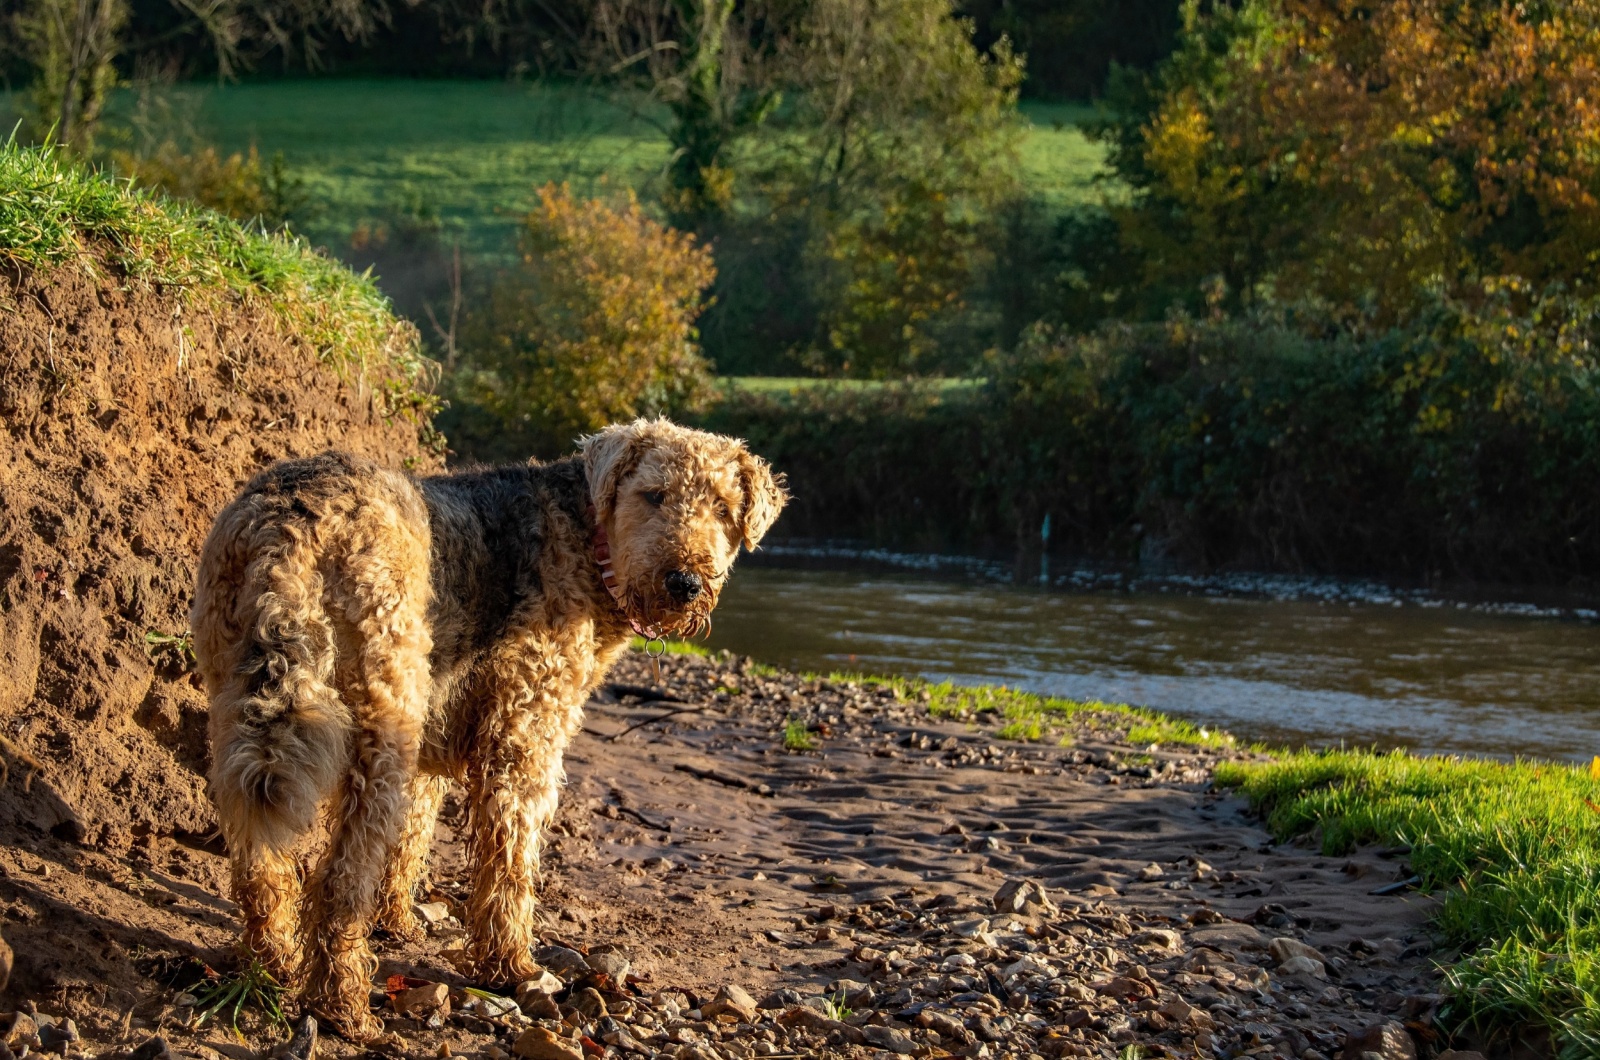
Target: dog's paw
360 1027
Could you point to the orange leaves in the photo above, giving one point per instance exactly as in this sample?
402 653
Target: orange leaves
597 323
1383 148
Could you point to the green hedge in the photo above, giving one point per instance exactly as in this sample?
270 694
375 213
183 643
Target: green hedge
1465 445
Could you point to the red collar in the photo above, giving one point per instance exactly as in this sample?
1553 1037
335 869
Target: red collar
601 547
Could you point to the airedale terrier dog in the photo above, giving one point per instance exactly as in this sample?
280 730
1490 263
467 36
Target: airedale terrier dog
366 637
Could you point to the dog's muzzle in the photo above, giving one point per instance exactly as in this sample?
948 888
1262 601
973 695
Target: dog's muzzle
683 586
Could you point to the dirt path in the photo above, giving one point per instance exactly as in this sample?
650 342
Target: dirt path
695 853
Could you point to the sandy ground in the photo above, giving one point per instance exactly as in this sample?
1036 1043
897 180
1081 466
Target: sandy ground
699 852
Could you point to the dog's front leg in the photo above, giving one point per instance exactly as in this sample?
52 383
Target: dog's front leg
534 707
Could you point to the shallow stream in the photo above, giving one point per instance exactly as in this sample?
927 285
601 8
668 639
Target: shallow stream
1434 678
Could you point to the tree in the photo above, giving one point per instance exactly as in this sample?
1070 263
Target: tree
72 44
595 325
902 141
1362 154
703 60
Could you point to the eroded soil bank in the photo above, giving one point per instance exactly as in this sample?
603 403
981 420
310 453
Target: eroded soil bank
912 886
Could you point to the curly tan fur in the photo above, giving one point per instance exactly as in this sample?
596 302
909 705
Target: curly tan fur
366 637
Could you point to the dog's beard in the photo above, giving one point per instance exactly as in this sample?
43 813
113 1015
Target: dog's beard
689 620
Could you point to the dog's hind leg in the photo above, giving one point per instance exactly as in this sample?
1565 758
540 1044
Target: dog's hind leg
410 859
386 599
515 778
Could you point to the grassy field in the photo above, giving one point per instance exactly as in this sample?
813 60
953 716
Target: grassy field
1514 850
471 153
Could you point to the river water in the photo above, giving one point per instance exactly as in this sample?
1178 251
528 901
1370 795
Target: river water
1431 677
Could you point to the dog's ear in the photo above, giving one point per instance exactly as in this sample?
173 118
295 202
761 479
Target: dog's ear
608 457
764 497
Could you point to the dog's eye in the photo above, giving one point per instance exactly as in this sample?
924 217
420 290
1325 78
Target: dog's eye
723 510
655 497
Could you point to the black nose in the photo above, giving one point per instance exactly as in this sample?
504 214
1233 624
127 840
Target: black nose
683 585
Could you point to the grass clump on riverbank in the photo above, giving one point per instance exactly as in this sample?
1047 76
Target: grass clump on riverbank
54 212
1514 848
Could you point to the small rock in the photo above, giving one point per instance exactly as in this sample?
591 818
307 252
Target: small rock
957 962
1124 986
731 1000
1303 966
613 1033
1024 897
431 912
423 1000
1181 1012
945 1025
537 1043
782 998
589 1002
812 1020
568 964
1158 939
1152 871
889 1038
613 964
492 1007
545 985
18 1028
1388 1041
56 1037
302 1045
854 993
152 1049
1282 950
1027 965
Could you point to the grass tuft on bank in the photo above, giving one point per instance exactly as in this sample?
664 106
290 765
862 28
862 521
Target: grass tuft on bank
55 213
1514 849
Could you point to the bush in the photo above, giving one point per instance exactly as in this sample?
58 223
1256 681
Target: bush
1459 446
239 185
594 325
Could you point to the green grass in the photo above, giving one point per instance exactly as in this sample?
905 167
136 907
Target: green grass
472 153
797 736
55 214
1513 849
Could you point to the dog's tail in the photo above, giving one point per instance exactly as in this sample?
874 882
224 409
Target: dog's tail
280 731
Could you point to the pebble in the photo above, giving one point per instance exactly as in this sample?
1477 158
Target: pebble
423 1000
539 1043
1383 1041
568 964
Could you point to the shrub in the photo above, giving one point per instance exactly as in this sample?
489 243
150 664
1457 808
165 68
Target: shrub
594 325
239 185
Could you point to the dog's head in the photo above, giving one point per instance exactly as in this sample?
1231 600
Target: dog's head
675 505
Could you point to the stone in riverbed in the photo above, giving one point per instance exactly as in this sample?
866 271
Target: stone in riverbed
568 964
731 1000
423 1000
537 1043
1158 939
613 964
1385 1041
1303 966
1282 950
1024 897
892 1040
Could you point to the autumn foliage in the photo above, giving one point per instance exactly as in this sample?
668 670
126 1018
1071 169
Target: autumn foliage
1359 154
595 323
